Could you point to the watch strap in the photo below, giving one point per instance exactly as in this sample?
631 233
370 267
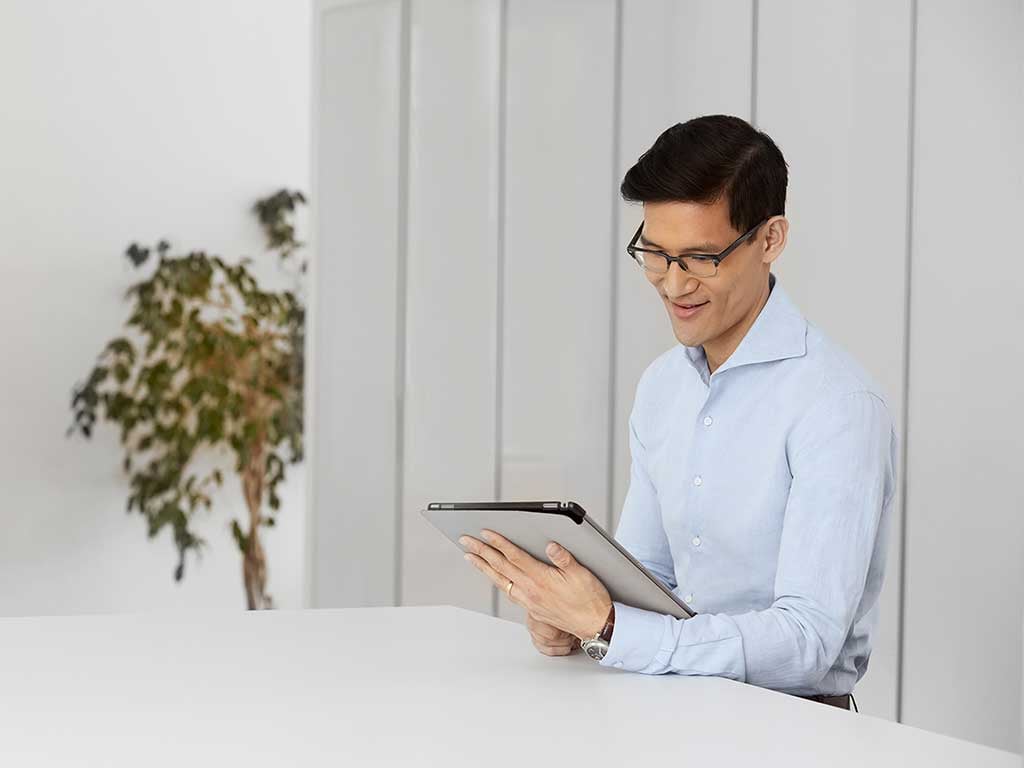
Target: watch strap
609 626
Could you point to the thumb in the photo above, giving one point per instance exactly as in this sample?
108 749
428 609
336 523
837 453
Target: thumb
560 556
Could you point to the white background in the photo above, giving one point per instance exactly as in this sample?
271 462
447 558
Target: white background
461 143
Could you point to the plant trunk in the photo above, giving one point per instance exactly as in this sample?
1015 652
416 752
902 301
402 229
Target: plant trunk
254 559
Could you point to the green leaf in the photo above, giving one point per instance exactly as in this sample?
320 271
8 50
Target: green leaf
240 538
137 255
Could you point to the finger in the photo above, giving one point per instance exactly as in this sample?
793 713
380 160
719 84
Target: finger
494 558
564 646
560 556
548 633
554 650
499 580
520 558
541 644
543 630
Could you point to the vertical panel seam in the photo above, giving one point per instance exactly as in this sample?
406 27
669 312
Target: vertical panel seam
613 314
500 254
908 271
311 565
404 59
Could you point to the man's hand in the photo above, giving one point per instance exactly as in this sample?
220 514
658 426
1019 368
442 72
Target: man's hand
549 640
563 594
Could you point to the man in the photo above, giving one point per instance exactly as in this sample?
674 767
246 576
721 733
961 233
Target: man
763 457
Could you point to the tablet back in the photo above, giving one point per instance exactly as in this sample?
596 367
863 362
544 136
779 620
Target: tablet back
531 525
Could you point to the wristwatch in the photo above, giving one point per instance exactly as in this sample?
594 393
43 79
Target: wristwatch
597 646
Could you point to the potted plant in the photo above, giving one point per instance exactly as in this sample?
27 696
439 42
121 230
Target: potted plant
211 365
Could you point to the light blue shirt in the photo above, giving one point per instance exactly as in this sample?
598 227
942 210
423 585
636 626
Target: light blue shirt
761 495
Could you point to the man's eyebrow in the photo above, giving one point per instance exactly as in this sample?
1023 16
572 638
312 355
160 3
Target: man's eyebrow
699 248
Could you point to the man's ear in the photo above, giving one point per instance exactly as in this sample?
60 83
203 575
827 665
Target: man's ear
773 238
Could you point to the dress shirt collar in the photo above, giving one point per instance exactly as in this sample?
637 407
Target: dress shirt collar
779 332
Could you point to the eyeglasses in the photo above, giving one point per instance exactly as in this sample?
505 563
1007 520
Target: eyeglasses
697 264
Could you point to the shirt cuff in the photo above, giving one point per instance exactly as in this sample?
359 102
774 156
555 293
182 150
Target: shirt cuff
636 638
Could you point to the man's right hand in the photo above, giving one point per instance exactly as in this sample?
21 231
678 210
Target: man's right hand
549 640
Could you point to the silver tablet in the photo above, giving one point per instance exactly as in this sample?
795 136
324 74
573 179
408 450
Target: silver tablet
532 524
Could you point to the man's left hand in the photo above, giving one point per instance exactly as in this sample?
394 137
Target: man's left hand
565 594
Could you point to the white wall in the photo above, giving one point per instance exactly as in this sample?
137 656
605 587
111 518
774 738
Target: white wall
965 501
494 134
126 120
458 142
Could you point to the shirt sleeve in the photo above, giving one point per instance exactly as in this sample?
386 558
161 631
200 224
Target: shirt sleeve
640 529
842 459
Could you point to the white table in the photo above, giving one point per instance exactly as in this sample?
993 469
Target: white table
397 686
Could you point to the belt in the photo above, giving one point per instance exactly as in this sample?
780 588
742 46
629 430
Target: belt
843 701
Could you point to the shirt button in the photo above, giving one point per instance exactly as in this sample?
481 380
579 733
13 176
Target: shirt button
688 598
708 421
698 480
696 541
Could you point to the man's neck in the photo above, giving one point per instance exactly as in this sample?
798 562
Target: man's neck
718 350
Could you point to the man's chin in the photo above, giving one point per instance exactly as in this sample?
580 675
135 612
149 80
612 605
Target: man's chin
687 337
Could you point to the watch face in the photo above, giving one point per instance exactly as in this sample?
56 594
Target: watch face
596 649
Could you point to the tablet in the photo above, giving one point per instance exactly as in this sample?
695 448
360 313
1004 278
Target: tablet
530 525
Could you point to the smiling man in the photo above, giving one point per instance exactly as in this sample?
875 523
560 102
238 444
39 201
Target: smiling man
763 456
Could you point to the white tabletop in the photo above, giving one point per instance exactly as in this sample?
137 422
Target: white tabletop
397 686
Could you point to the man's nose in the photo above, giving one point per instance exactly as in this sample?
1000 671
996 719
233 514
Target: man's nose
679 282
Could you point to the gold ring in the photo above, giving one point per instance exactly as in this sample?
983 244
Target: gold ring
508 589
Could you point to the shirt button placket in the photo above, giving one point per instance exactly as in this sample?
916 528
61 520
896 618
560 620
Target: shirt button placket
698 481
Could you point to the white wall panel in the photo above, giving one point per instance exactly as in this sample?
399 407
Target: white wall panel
357 268
451 300
965 501
833 83
558 237
674 67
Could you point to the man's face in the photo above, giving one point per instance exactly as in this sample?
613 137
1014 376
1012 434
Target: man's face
718 303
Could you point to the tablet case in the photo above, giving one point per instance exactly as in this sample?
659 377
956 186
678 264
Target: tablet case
532 524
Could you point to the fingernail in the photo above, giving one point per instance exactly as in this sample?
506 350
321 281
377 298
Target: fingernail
467 557
485 536
464 541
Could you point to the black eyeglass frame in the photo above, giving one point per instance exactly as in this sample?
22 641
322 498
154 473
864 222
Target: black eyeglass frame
715 258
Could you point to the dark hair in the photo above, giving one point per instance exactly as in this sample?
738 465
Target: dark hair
702 159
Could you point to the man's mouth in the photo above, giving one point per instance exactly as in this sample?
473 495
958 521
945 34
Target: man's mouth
686 310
